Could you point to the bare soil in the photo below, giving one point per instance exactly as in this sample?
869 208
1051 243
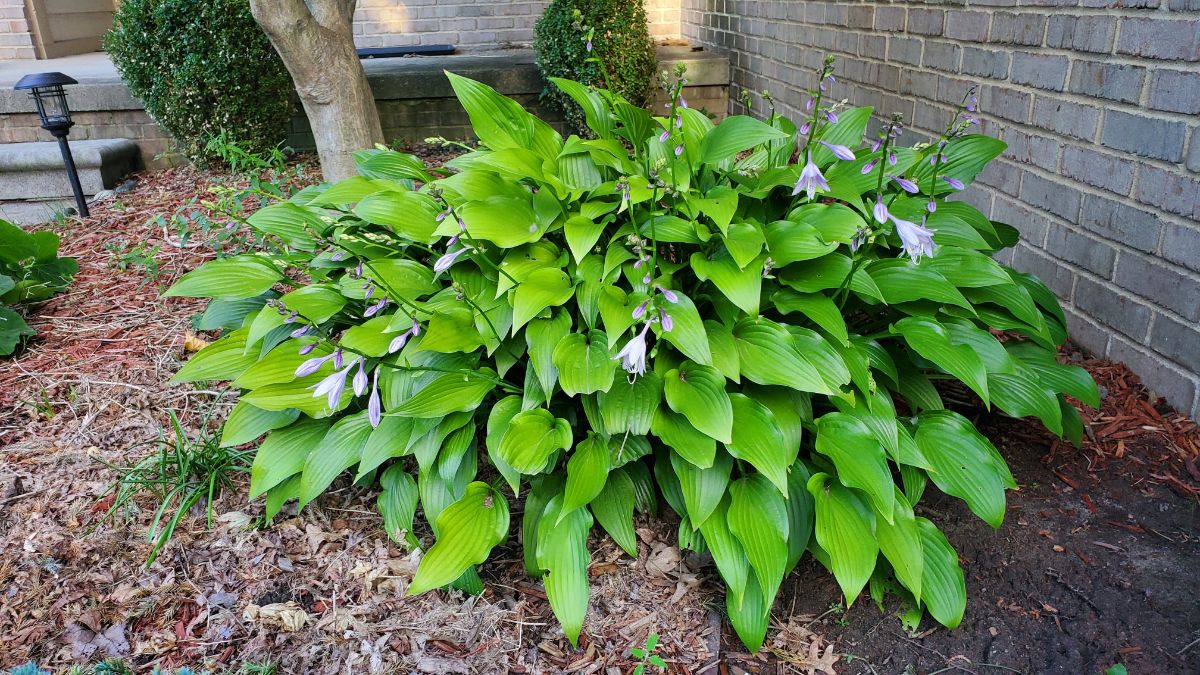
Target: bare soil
323 591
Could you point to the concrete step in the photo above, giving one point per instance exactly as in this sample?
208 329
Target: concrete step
35 171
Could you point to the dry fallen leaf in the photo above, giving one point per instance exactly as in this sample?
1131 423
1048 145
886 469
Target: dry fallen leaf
193 343
287 615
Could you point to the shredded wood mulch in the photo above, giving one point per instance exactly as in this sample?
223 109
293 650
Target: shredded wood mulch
323 591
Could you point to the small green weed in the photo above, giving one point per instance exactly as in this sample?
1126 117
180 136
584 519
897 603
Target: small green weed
183 472
646 655
126 256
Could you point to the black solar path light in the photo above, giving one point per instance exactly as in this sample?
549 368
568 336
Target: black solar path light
47 92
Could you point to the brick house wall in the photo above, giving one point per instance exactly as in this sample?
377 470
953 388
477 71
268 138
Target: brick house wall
472 24
1099 101
16 42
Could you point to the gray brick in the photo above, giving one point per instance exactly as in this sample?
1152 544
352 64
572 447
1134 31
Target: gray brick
1114 174
1193 157
1061 200
1030 223
1085 333
1184 5
1181 244
889 18
1177 341
925 21
1108 80
905 50
1057 276
1175 91
1081 33
943 56
1039 151
1160 38
1017 29
1164 285
1122 223
1039 70
969 26
1066 117
861 16
1112 308
985 62
1146 136
1004 101
1079 248
1004 176
1164 380
1169 191
920 83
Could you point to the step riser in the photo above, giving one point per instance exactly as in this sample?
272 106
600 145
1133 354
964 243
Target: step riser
50 184
35 171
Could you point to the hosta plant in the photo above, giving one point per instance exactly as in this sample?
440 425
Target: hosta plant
674 309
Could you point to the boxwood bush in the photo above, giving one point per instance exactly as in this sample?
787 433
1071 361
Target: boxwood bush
602 43
205 71
673 311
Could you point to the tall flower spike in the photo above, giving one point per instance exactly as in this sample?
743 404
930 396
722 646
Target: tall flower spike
633 355
917 239
374 405
811 180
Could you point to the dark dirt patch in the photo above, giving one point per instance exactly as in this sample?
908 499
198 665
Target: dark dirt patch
1122 589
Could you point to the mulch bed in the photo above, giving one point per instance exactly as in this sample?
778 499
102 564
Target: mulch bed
322 591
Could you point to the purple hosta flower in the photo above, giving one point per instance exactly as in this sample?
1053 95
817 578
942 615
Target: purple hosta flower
811 180
682 101
880 211
398 342
308 348
954 183
360 380
667 322
337 358
931 206
314 364
831 116
377 307
669 294
358 270
860 236
640 310
291 317
662 138
917 239
442 216
337 256
368 291
633 355
804 128
808 105
333 385
678 150
646 279
905 184
840 151
446 261
588 46
892 158
301 332
875 144
679 122
374 405
868 167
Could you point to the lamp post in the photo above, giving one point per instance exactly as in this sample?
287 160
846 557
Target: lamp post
47 92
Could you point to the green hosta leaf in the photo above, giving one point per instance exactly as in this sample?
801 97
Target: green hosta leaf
583 364
246 423
859 459
791 242
744 242
243 276
626 448
698 393
848 130
469 529
447 393
393 437
595 110
702 489
800 513
562 551
503 220
338 450
501 122
931 340
902 281
520 262
1022 395
719 203
280 495
1064 379
688 334
616 310
645 497
452 330
315 303
967 269
297 394
900 542
297 226
542 490
965 158
964 464
733 135
819 309
531 438
742 286
542 336
677 432
749 616
613 507
389 164
768 356
582 234
397 503
724 350
587 471
629 406
498 423
758 518
282 454
540 290
398 277
757 439
845 529
942 585
728 554
224 359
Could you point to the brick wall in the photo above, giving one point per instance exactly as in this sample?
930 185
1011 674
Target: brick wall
1099 101
136 125
471 24
15 39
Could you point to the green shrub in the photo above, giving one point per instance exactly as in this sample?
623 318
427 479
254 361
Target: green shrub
601 43
639 316
205 71
30 271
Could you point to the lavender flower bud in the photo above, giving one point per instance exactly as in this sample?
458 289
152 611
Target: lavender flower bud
670 295
892 158
300 332
374 405
880 210
905 184
678 150
831 116
640 310
667 322
954 183
662 138
307 349
312 365
868 167
337 359
360 380
840 151
804 128
931 206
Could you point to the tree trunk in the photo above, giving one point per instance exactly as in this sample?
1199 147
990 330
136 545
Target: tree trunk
316 43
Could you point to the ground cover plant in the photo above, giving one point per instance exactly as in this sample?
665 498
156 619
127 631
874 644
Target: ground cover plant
674 309
30 271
